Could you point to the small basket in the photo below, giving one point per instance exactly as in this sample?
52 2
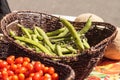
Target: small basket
84 62
65 72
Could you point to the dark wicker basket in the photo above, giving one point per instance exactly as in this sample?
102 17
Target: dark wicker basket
65 72
84 62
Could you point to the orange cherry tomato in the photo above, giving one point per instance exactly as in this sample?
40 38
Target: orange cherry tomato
21 76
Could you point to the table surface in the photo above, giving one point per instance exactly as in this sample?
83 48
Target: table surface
109 10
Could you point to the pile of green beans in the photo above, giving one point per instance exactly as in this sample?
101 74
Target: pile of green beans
66 41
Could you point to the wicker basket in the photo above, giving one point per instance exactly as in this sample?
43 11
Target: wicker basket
65 72
84 62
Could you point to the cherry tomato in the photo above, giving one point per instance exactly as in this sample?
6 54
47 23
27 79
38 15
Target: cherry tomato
40 73
19 66
45 69
23 70
30 78
26 59
25 63
13 67
3 64
10 73
14 77
29 66
42 66
31 74
21 76
10 59
54 76
51 70
4 74
19 60
27 73
36 76
37 66
47 77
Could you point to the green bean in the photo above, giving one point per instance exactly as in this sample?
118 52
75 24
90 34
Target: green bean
53 33
12 33
49 48
65 50
40 46
37 50
71 49
24 30
34 37
59 39
45 37
73 33
87 46
29 30
62 34
86 27
58 50
38 35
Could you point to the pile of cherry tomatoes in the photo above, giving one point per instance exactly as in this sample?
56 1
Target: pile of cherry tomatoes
22 68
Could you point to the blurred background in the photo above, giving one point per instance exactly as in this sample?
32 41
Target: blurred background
109 10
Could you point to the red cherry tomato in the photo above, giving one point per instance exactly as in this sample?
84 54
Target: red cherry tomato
30 78
54 76
19 66
3 64
37 66
31 74
42 66
45 69
25 63
29 66
15 77
47 77
41 72
10 59
13 67
10 73
51 70
36 76
19 60
26 59
22 70
4 74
